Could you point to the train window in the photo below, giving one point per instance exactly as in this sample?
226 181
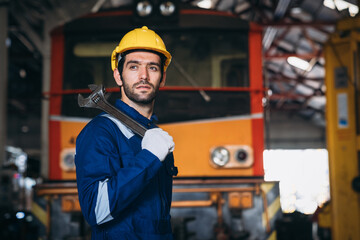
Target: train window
98 49
200 59
89 63
208 59
234 73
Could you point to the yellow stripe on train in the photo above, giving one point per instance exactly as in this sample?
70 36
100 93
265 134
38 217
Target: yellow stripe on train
271 209
39 213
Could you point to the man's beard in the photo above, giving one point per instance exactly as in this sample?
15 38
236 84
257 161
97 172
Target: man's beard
137 98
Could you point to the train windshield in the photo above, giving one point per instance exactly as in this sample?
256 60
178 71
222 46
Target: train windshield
200 59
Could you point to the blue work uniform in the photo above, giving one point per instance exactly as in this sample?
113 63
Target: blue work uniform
124 192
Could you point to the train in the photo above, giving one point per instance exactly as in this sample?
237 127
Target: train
212 105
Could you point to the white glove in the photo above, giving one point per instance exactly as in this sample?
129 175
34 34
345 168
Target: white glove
158 142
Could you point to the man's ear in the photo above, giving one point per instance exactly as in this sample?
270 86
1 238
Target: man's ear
117 77
162 83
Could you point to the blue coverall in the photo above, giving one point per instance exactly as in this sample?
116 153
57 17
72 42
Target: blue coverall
124 192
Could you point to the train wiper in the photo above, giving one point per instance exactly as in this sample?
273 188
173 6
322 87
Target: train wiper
191 80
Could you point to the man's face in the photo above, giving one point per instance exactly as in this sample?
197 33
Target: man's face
141 78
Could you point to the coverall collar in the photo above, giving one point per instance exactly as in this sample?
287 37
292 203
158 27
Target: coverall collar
148 123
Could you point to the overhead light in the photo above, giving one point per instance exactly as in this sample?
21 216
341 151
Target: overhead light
144 8
299 63
296 10
20 215
167 8
353 10
205 4
329 4
342 5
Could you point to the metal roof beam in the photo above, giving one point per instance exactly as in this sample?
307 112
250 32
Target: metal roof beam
24 26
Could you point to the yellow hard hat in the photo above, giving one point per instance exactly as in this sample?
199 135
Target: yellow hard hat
140 38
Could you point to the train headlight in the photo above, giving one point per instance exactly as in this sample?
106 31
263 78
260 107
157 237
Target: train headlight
167 8
231 156
220 156
144 8
67 159
241 155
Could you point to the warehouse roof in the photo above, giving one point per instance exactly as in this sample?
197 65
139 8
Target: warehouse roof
292 28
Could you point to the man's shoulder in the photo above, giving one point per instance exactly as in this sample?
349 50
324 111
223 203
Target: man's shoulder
97 125
98 121
107 124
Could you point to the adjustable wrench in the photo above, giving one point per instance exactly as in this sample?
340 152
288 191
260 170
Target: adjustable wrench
97 99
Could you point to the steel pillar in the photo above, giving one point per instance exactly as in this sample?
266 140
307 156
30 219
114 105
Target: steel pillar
3 76
343 127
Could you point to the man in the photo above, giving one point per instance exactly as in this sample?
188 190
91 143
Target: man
125 181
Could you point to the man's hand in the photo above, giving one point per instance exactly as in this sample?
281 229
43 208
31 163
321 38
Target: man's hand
158 142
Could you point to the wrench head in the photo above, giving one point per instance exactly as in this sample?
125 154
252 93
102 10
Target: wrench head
91 101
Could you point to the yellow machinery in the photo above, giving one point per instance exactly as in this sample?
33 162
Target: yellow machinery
342 55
